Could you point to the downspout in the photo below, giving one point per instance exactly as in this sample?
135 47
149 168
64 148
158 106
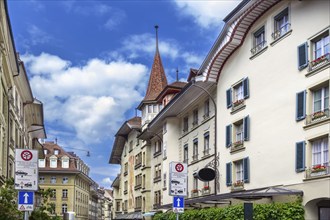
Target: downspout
8 130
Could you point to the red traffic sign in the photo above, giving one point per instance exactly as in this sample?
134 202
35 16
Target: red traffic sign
26 155
179 167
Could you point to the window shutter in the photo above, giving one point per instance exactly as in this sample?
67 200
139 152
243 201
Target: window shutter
302 56
229 101
300 156
228 174
246 127
246 167
246 88
300 105
228 135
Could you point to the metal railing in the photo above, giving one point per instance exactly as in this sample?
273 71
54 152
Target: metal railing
282 31
258 47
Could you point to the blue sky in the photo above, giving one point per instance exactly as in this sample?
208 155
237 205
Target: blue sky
89 62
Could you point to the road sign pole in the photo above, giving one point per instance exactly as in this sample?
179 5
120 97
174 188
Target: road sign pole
26 215
177 216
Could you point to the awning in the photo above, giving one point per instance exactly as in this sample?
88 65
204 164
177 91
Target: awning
35 119
254 194
133 215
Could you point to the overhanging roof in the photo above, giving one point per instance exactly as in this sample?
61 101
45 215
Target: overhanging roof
254 194
35 119
183 100
238 24
121 137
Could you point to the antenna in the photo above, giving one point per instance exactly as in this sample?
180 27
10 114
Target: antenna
177 74
156 27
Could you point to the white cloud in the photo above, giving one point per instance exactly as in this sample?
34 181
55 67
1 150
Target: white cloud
107 181
111 171
207 14
116 18
91 99
37 35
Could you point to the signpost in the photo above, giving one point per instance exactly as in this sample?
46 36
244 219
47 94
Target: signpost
178 179
26 169
25 200
178 186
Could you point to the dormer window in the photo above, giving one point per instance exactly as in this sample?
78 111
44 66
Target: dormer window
42 163
45 151
53 161
56 152
65 162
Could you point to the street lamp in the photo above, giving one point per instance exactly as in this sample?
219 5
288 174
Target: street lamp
216 159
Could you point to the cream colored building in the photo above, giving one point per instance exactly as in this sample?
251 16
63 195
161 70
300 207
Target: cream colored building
21 115
68 176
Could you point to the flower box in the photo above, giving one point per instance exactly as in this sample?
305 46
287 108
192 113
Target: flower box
238 102
317 115
238 143
205 188
318 168
194 191
238 183
319 60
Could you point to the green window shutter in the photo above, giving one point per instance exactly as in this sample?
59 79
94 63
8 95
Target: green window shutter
228 135
302 56
246 127
228 174
246 88
300 156
246 169
300 105
229 100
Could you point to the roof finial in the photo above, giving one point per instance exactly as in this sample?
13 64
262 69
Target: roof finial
156 27
177 74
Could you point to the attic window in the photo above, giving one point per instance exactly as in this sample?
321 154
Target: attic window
56 152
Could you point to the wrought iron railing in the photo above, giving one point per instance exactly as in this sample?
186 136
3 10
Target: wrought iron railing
282 31
258 47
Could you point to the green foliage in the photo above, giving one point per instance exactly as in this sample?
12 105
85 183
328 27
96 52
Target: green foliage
273 211
45 209
8 202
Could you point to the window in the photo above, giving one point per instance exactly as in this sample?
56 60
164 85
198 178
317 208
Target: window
237 94
157 198
138 160
65 180
41 179
241 133
164 180
195 117
321 46
117 206
241 173
125 169
138 180
53 162
259 41
125 187
42 163
53 193
144 181
281 24
138 202
185 153
53 179
164 151
206 144
185 124
195 149
206 108
158 146
64 208
320 155
56 152
158 171
45 151
321 101
65 162
64 193
130 146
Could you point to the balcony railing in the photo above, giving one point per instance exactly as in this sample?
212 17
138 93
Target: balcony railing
317 117
317 171
319 62
258 47
282 31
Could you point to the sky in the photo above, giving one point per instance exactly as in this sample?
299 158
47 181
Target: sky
89 62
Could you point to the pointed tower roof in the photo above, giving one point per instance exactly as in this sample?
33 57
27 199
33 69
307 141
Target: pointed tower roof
157 79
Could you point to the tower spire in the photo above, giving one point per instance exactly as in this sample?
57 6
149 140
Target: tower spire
156 27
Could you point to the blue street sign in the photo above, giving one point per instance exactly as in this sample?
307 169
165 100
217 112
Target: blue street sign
25 198
178 202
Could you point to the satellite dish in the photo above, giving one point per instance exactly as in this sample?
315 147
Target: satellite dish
205 174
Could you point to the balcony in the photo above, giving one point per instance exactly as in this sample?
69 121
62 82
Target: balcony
237 105
317 171
236 146
206 151
317 117
258 47
277 34
157 179
238 185
194 193
156 206
319 62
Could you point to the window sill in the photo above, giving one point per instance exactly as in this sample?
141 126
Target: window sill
237 109
237 148
144 167
317 69
317 123
157 179
281 38
258 53
137 166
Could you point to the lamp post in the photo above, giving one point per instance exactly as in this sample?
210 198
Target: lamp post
215 135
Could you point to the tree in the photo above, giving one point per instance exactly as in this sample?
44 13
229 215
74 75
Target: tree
8 202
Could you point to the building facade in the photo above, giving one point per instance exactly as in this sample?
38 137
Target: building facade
265 87
68 177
